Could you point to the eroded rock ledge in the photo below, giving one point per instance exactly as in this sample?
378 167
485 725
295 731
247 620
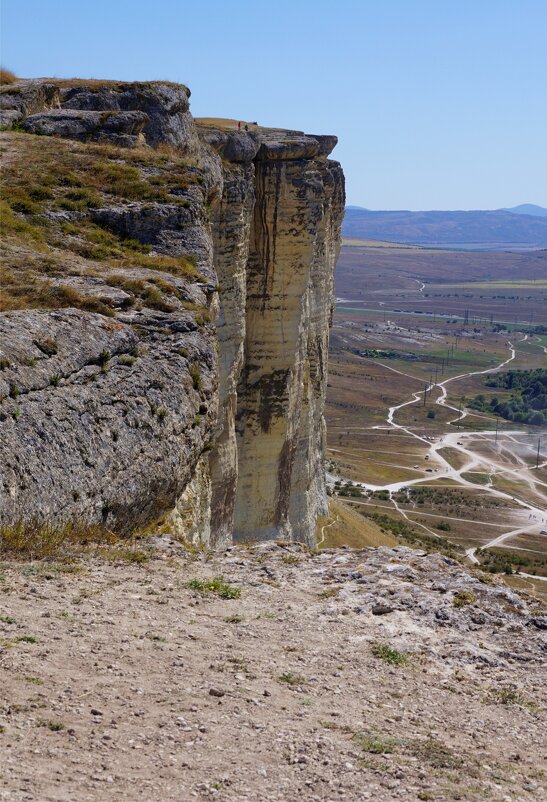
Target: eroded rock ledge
206 407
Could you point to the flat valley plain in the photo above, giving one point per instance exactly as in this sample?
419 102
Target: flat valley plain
433 470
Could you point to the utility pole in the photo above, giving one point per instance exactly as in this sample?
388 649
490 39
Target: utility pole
497 421
537 455
425 393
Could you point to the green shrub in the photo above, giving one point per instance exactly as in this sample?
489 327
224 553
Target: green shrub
389 655
374 745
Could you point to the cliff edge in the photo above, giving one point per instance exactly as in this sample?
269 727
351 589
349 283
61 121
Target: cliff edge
167 290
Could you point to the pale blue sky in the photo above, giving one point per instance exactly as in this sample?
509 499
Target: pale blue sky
436 103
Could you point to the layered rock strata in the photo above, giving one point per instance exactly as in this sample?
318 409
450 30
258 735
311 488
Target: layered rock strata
233 356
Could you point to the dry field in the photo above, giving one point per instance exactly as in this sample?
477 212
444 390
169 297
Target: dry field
394 275
380 359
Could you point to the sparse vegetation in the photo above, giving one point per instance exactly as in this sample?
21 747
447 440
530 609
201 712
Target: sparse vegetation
375 745
407 533
503 561
329 593
47 346
505 696
196 377
34 680
7 77
289 678
217 586
435 753
389 655
463 597
51 174
40 540
54 726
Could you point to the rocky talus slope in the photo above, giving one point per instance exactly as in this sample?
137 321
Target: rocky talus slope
381 674
167 294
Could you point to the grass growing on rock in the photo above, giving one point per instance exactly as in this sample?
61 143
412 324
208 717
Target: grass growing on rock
463 597
7 77
50 188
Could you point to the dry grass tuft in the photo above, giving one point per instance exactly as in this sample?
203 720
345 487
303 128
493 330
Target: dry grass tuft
38 540
7 77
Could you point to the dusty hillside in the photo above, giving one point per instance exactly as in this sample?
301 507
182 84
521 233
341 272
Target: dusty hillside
381 674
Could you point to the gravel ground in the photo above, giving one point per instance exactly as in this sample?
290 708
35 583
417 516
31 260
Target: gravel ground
381 674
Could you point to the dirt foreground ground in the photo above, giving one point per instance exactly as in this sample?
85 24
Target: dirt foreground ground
381 674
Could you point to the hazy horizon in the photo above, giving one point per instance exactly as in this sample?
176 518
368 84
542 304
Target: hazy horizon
436 105
470 209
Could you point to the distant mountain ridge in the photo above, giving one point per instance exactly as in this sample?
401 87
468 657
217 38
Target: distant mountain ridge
527 208
482 229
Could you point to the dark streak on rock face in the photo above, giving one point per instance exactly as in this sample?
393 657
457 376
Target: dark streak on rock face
284 476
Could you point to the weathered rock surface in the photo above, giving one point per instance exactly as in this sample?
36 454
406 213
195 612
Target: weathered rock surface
101 425
104 110
294 246
241 450
121 128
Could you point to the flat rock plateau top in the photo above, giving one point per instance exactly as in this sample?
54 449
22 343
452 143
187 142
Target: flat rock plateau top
381 674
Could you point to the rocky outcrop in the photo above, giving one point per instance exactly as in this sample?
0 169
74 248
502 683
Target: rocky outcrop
210 421
126 114
99 417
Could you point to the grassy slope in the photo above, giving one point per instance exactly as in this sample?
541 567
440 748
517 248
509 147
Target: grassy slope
345 527
50 186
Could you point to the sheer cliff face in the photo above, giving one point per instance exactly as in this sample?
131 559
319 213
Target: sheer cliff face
277 235
237 450
282 386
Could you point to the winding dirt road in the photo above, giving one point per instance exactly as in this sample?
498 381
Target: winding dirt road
537 517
